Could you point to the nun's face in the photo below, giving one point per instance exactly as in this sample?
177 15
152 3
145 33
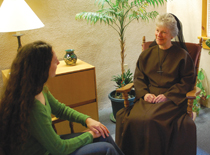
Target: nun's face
163 37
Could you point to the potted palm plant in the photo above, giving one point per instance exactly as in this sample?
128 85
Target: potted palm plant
118 14
117 100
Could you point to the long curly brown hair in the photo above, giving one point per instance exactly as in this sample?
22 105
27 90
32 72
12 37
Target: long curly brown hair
29 73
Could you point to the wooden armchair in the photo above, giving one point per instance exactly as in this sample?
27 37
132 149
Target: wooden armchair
194 51
57 120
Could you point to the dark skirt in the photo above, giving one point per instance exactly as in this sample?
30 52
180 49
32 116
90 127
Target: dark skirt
155 129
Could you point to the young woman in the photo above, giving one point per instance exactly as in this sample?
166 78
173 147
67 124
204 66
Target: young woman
26 106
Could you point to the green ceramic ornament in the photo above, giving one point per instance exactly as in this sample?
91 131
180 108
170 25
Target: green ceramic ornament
70 57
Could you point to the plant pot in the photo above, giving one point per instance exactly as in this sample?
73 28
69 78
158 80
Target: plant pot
118 104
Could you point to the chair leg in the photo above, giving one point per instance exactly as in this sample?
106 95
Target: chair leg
53 125
125 97
71 127
194 115
189 108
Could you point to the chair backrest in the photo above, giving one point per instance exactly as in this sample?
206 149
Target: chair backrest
193 48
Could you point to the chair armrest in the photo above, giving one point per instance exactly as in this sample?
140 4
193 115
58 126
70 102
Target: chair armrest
57 120
124 90
193 93
191 96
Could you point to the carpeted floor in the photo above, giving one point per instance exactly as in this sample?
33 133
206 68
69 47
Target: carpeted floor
202 122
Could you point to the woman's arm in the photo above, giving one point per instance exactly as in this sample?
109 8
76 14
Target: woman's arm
41 129
140 81
177 93
64 112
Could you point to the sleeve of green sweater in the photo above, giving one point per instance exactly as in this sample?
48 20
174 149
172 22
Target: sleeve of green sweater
41 129
64 112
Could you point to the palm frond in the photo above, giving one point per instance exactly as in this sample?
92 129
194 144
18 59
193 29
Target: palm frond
150 2
109 12
101 2
128 78
155 2
94 17
121 2
143 15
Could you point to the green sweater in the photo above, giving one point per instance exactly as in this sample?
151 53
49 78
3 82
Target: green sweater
43 139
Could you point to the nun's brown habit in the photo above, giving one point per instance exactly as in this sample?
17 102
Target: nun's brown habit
162 128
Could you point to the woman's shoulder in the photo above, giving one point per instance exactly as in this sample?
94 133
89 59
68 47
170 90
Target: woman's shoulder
149 51
180 54
37 106
179 50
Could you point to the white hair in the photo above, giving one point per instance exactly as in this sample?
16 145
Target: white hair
168 21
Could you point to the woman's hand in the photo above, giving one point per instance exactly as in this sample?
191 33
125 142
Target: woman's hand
160 98
97 127
95 135
149 97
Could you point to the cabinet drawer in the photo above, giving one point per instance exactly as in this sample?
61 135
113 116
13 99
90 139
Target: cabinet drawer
74 88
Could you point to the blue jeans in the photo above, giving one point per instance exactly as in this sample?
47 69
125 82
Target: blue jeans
100 146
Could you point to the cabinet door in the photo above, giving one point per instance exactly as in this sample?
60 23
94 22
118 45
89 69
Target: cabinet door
74 89
88 109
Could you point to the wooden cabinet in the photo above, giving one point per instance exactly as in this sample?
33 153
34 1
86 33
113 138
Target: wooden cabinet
76 87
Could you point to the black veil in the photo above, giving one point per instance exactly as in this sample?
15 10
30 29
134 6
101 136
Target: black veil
179 39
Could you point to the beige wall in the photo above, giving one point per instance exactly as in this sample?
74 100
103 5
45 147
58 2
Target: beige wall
191 20
189 16
97 45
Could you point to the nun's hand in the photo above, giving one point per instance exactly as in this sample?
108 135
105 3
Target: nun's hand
149 97
160 98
